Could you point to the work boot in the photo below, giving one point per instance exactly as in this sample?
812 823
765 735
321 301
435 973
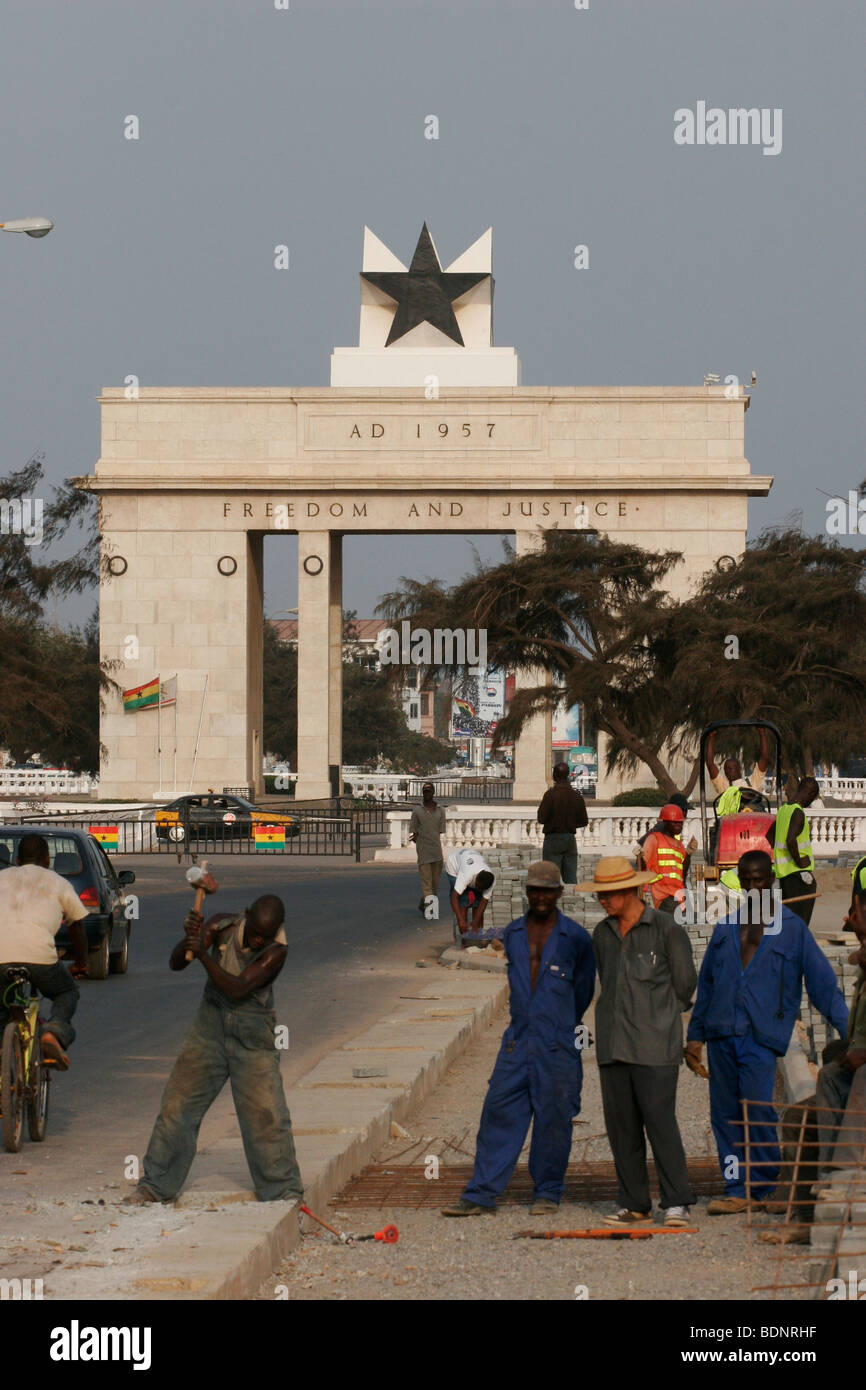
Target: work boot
798 1234
727 1206
464 1208
139 1197
53 1053
543 1206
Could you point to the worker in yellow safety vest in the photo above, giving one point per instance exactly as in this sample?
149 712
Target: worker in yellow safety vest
664 853
729 783
793 860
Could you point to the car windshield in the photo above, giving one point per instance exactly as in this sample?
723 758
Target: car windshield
63 853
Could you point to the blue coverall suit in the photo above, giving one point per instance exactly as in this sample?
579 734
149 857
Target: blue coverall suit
746 1017
538 1071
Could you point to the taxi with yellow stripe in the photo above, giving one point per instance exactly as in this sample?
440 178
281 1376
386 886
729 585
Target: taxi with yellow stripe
215 815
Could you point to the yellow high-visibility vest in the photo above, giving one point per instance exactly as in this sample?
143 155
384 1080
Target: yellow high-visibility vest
729 801
782 861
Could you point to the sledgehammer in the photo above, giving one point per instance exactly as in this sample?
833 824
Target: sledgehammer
203 882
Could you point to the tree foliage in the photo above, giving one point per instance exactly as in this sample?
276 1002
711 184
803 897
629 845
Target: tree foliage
596 616
53 680
374 726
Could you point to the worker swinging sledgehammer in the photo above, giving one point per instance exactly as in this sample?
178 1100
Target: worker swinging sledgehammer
232 1038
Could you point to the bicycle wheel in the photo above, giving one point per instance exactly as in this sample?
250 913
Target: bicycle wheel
12 1088
37 1100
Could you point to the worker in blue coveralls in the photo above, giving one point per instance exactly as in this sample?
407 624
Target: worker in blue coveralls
749 992
538 1072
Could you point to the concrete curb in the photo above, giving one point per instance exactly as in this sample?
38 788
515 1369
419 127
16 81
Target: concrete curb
340 1122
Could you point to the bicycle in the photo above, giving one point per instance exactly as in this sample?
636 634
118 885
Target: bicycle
24 1074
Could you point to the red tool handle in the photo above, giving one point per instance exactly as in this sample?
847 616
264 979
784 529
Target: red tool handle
389 1235
307 1212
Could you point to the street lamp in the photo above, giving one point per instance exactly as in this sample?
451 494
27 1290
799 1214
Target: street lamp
33 226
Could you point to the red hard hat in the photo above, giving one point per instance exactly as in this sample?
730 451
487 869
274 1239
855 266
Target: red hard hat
671 812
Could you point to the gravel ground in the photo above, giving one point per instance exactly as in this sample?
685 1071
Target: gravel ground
437 1258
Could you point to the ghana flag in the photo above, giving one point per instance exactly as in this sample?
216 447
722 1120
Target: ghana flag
143 696
465 707
269 836
105 835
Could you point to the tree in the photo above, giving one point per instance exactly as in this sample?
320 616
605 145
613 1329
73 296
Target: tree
374 725
783 634
586 610
595 616
280 695
53 681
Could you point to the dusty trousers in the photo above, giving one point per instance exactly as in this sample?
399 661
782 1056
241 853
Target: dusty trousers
640 1103
234 1044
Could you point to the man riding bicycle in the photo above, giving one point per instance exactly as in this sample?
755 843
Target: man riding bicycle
33 903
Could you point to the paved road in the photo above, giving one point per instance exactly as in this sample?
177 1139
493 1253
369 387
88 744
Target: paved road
353 934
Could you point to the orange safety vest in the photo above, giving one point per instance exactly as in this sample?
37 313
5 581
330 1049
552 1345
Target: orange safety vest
665 856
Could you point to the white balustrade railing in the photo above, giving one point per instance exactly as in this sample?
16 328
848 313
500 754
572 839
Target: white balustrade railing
41 781
611 829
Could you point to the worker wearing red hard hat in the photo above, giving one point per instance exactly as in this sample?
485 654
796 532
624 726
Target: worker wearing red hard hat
663 852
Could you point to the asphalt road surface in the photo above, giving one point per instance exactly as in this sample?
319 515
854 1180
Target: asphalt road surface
353 932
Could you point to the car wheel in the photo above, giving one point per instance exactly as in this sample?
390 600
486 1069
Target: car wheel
99 959
119 960
176 833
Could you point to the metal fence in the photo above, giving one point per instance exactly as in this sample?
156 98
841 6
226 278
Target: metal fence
464 789
315 835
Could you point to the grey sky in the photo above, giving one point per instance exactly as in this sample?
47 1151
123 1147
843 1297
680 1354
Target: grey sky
261 126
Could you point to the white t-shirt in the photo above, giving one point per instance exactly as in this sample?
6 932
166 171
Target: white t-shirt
755 780
463 865
33 903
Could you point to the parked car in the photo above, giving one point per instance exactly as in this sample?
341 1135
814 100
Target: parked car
76 856
217 816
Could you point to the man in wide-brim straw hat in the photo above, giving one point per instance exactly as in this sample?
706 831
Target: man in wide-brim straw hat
647 977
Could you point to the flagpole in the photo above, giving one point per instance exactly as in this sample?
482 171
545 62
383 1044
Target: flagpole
174 788
159 731
198 735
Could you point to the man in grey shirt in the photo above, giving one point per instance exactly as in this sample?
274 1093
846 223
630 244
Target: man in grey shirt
426 828
648 978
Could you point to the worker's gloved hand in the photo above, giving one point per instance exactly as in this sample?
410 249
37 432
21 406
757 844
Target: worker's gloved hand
833 1051
693 1055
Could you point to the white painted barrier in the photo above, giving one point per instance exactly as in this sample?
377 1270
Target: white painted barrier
611 829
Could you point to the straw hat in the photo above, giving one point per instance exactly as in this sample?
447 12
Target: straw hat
611 875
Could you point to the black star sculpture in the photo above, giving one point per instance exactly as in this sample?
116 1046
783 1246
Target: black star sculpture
424 292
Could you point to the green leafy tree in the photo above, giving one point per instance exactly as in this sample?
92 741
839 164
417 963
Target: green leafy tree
280 694
596 617
780 635
586 610
53 681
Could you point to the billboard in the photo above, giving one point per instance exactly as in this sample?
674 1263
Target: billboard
479 706
566 727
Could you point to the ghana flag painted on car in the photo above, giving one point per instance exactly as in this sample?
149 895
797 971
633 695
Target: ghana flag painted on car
142 696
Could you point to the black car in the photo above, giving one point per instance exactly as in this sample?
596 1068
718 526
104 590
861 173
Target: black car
217 816
76 856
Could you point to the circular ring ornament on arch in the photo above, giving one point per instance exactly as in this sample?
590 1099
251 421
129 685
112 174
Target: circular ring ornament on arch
314 564
227 564
725 564
116 565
